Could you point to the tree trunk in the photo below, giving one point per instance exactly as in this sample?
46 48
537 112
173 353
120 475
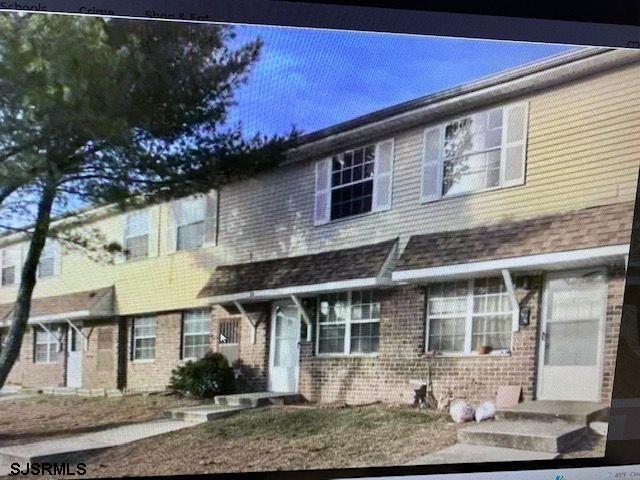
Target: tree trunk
9 353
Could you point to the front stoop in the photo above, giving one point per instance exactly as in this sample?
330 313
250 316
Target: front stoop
542 426
204 413
258 399
524 435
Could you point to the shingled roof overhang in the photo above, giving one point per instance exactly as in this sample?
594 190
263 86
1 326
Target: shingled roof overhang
358 267
495 89
73 306
582 238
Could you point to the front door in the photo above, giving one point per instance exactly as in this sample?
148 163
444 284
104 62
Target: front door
284 353
74 357
572 336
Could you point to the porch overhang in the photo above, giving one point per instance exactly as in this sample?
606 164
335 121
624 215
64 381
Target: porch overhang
89 304
363 267
589 257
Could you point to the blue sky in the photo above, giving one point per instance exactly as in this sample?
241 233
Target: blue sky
317 78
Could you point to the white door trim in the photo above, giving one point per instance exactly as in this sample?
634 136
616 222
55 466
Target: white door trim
543 323
274 307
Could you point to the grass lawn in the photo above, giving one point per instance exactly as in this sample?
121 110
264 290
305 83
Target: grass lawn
284 438
28 420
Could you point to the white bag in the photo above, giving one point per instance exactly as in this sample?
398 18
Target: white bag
485 410
461 411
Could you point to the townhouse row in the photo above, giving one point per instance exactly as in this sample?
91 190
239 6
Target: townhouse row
466 240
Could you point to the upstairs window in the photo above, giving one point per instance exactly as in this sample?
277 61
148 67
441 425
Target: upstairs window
10 260
465 315
354 182
348 323
49 260
190 223
477 152
136 239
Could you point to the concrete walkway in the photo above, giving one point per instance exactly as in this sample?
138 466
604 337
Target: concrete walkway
463 453
56 449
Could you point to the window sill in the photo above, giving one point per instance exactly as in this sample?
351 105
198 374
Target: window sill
494 354
143 361
45 363
468 194
345 355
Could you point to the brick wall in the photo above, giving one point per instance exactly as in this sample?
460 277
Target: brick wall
151 374
35 375
401 359
612 329
100 359
253 358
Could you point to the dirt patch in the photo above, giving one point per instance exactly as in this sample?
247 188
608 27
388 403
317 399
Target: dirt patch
284 438
28 420
591 445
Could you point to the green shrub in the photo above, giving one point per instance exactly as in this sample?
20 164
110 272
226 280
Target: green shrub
204 378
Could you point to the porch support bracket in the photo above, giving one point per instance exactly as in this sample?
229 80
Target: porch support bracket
304 314
244 315
513 299
85 346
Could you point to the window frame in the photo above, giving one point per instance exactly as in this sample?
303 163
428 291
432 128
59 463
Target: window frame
178 225
134 337
128 236
444 159
332 187
468 318
4 255
53 248
346 352
207 315
50 339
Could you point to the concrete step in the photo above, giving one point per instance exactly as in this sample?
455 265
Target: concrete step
581 413
258 399
203 413
524 435
465 453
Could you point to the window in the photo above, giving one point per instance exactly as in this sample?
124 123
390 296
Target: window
196 328
348 323
144 338
352 182
472 153
477 152
465 315
9 267
47 265
136 240
46 346
190 222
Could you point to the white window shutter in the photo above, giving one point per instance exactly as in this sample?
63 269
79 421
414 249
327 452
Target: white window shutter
211 218
152 236
322 209
432 168
17 258
171 234
383 176
514 144
124 225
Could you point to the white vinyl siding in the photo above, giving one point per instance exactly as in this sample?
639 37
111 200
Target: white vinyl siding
46 346
481 151
348 323
196 332
136 236
144 338
464 315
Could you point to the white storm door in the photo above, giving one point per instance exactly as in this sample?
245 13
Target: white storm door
284 353
74 357
572 336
